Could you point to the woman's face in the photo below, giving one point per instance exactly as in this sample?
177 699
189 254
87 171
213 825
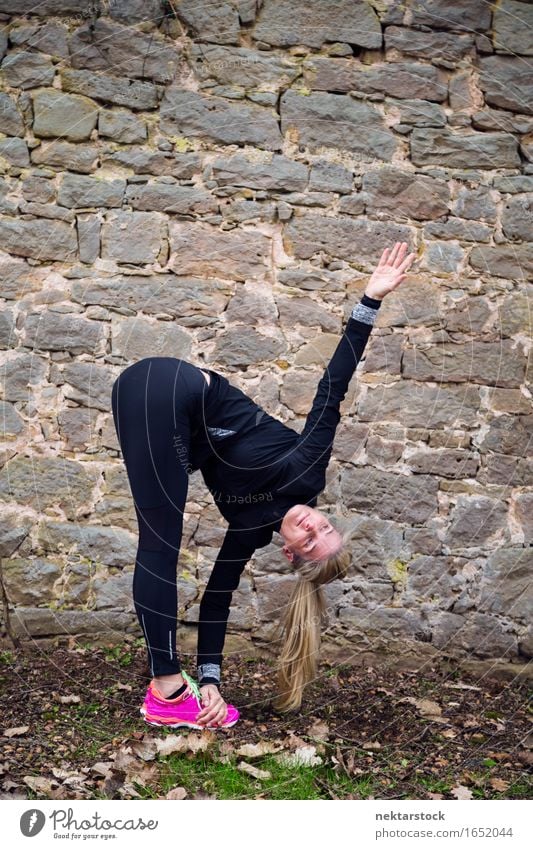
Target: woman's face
308 533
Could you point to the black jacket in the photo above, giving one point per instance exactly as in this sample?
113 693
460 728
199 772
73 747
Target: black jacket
256 468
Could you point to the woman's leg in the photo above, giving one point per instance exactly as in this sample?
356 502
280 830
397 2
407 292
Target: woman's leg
151 403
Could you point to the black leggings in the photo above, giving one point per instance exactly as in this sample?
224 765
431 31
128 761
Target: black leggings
156 405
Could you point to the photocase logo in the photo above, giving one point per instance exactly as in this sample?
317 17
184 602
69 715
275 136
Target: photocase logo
32 822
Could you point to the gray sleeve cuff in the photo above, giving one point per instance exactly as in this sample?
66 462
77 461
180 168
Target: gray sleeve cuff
209 671
366 310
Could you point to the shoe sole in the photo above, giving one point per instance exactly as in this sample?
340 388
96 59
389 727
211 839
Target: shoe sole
185 724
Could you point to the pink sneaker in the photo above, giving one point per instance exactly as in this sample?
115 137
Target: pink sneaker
182 711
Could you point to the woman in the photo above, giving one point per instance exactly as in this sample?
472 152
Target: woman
172 418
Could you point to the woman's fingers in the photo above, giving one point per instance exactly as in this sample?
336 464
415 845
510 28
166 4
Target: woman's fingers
393 253
398 259
211 713
407 262
383 257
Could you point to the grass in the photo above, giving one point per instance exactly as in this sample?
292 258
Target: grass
224 780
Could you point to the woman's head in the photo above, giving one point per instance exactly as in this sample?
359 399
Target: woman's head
306 610
308 534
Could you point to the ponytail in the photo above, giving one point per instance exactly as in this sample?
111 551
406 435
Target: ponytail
302 624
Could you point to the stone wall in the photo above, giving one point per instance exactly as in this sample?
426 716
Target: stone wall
215 181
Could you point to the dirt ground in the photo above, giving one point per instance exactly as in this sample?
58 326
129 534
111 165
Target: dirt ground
71 729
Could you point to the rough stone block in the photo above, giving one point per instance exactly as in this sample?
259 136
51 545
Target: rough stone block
27 70
427 44
66 155
512 25
475 203
30 581
394 79
524 514
50 38
507 82
343 238
467 15
208 22
42 482
475 521
63 115
102 546
420 405
506 586
88 237
121 126
132 237
279 172
21 374
241 66
404 194
490 363
243 346
191 300
468 150
517 218
191 114
114 591
514 262
445 462
76 191
202 250
170 197
327 120
15 152
402 498
124 51
11 122
350 21
121 91
13 423
135 338
53 331
78 428
38 238
419 113
508 435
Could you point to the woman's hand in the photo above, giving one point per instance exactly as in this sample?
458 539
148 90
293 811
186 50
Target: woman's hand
215 708
390 271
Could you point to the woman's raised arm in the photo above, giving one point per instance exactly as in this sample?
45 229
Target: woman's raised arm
316 439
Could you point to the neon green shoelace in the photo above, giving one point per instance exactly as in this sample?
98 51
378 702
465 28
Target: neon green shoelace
194 687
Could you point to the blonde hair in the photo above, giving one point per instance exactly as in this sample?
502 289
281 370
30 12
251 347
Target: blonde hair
300 629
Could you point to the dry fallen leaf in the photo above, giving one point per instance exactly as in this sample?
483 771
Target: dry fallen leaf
69 700
461 792
145 748
427 707
39 784
319 730
172 743
434 795
200 742
16 732
124 758
303 756
499 784
103 768
253 771
176 793
257 750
